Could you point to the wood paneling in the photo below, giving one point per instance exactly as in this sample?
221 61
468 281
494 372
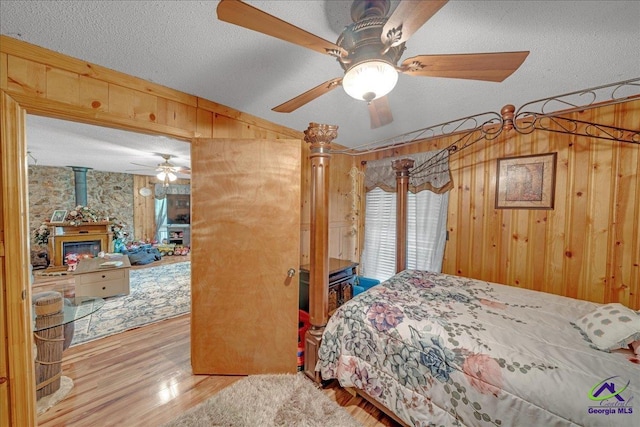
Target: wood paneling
587 247
53 60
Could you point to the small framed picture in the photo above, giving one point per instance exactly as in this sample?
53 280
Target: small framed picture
526 182
58 216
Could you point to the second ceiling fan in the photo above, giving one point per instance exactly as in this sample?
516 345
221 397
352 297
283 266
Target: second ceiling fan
369 49
166 171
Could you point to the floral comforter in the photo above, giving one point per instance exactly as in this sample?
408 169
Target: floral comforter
441 350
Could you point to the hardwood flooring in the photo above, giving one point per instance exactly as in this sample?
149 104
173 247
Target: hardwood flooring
143 377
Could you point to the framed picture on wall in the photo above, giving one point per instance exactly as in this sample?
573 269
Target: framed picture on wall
526 182
58 216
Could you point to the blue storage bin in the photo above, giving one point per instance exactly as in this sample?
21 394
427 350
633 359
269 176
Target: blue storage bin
366 282
362 283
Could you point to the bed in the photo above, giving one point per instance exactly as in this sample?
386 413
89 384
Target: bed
441 350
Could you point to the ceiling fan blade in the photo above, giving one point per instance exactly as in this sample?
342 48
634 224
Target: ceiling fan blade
247 16
137 170
407 18
144 166
493 67
380 112
310 95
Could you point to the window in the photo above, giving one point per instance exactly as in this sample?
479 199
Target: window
426 232
379 255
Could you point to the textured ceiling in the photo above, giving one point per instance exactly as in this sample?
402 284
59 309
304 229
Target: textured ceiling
181 44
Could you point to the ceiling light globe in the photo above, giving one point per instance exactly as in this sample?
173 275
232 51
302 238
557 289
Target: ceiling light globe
172 176
370 80
161 175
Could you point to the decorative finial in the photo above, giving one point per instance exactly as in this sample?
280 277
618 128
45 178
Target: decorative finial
507 113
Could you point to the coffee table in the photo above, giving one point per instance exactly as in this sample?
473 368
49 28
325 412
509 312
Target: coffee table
102 277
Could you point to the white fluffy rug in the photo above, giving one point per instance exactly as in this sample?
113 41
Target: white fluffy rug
267 400
46 402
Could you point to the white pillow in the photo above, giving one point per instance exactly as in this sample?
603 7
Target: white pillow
611 326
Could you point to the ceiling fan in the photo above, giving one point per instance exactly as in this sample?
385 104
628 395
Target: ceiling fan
167 171
368 50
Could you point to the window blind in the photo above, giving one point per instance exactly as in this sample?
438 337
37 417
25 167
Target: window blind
426 232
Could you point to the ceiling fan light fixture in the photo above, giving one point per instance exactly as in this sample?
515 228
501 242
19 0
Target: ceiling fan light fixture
164 175
370 80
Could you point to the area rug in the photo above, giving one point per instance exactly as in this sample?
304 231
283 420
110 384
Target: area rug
156 293
46 402
268 400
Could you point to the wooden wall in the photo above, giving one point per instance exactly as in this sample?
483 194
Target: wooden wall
42 82
587 247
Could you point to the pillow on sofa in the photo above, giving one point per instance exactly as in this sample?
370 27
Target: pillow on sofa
610 326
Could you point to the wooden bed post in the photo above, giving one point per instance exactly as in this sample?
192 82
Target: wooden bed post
401 167
320 137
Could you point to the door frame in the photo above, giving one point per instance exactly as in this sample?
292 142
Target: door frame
15 236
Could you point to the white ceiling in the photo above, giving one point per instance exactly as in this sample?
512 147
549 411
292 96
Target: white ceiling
573 45
52 142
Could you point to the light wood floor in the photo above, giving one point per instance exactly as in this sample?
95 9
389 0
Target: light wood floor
143 377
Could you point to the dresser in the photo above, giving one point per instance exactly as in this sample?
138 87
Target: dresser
92 279
342 274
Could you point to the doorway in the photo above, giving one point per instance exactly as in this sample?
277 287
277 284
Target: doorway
120 179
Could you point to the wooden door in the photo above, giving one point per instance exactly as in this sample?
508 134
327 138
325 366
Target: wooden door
245 209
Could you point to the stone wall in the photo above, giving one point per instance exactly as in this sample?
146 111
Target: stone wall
52 188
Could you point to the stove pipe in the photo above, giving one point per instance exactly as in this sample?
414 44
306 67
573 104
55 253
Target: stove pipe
81 184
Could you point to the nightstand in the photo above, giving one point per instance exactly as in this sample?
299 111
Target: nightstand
342 274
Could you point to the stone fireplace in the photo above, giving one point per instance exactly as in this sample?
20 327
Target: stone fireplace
88 238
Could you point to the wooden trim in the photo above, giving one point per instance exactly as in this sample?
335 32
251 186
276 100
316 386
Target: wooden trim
222 110
4 58
59 110
14 274
48 57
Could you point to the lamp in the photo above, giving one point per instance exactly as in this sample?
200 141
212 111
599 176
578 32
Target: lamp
166 176
370 80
